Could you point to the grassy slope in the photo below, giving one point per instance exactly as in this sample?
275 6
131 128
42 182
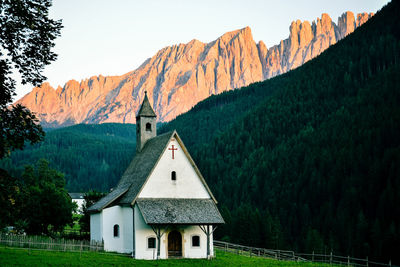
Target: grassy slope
23 257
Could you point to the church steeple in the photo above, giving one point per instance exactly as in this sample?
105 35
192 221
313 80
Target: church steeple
146 120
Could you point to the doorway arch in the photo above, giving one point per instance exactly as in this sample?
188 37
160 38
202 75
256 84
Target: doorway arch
174 244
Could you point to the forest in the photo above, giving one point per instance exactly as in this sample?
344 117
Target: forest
308 161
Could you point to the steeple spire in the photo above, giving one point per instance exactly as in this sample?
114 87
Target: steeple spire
146 110
146 120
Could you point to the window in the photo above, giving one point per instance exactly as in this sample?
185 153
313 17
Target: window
173 176
116 230
195 241
148 126
151 242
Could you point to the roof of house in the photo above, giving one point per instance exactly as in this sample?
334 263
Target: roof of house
179 211
77 195
146 110
139 170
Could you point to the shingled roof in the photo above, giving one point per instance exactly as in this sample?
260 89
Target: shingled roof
179 211
146 110
138 172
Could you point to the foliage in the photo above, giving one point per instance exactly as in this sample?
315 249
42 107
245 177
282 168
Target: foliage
18 125
90 197
26 38
8 194
321 154
22 257
91 156
44 205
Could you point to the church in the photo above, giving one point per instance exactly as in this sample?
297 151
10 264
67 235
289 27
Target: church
162 207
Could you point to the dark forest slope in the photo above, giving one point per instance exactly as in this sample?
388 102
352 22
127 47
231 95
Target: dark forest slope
316 166
90 156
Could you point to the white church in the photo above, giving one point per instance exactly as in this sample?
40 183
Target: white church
162 207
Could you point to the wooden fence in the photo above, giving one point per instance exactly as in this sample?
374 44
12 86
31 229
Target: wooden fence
292 256
47 243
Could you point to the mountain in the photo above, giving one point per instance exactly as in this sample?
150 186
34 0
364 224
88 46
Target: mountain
180 76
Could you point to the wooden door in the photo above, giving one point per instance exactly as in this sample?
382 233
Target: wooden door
174 244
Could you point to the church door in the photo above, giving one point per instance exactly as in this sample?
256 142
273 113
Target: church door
174 244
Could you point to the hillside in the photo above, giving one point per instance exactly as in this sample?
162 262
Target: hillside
90 156
315 166
179 76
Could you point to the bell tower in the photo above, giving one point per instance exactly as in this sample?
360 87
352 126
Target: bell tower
146 120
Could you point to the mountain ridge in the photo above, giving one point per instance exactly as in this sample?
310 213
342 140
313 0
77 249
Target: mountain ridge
179 76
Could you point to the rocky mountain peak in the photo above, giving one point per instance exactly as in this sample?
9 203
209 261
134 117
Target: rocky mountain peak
179 76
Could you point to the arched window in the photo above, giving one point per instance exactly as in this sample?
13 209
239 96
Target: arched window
151 242
195 241
116 230
148 126
173 176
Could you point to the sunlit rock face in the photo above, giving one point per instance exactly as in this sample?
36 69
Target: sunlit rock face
179 76
307 41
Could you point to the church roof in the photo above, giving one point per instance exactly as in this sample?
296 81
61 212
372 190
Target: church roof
139 170
179 211
146 110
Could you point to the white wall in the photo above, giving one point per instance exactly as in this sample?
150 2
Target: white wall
187 184
195 252
142 232
123 217
79 203
96 226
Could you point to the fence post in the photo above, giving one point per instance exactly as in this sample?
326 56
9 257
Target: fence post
312 260
390 263
250 250
330 259
348 260
367 261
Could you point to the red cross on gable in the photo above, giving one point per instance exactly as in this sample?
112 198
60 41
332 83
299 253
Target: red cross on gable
173 150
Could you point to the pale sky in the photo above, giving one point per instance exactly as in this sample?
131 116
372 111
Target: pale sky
115 37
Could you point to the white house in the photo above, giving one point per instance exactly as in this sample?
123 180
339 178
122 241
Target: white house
162 206
78 198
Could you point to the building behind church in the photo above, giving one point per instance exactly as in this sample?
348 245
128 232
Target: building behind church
162 206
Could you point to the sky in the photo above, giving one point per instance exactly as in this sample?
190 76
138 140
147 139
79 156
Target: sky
115 37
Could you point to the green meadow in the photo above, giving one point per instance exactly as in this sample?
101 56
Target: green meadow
25 257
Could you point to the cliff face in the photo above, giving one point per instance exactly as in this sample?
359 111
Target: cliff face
179 76
307 41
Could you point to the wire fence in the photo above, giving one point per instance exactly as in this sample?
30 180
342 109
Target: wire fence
287 255
47 243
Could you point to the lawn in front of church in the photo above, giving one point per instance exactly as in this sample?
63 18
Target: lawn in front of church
25 257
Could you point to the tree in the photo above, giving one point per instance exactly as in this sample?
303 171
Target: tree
8 194
90 198
44 204
26 38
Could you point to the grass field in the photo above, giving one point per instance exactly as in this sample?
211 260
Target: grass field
23 257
